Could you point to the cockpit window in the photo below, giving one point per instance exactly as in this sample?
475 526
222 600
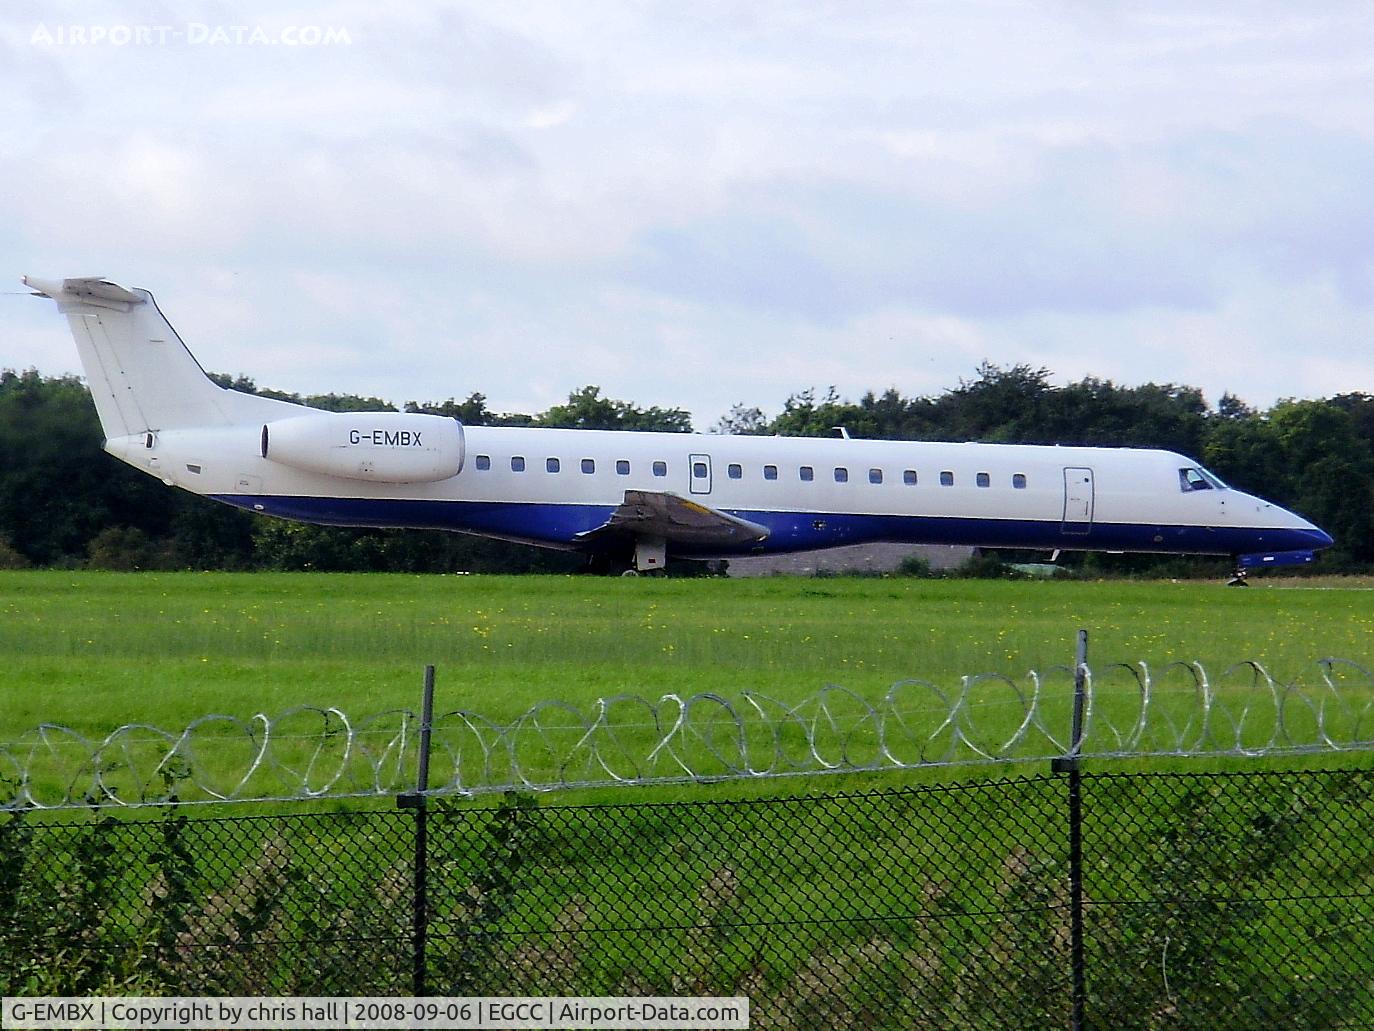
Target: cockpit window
1198 479
1214 479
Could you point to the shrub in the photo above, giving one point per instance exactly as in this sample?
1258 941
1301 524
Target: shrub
11 559
127 549
914 565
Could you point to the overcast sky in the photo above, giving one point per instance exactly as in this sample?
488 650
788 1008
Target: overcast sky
698 204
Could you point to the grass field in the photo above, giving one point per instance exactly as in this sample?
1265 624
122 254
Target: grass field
96 650
93 651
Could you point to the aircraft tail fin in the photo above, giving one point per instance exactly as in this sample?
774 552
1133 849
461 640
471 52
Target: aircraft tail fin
141 376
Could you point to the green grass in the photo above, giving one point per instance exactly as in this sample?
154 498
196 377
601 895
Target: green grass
94 650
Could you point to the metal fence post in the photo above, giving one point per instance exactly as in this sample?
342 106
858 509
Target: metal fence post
416 800
1069 763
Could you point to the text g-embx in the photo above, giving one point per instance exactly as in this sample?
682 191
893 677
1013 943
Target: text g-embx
385 438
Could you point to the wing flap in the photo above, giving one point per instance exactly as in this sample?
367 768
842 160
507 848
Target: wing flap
676 520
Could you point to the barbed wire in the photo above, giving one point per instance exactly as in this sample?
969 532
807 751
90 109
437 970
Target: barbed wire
314 753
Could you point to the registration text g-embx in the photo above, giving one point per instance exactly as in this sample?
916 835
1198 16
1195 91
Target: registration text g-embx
385 438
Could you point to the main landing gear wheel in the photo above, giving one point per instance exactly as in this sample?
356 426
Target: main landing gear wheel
1239 579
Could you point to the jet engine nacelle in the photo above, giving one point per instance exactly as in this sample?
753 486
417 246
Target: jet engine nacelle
384 447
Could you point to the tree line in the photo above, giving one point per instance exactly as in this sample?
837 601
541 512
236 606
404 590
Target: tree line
66 504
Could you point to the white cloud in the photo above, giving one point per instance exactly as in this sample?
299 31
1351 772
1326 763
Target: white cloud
703 204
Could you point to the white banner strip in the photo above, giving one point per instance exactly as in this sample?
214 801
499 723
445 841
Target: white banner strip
535 1013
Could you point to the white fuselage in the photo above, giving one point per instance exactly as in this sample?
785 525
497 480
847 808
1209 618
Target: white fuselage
653 493
547 486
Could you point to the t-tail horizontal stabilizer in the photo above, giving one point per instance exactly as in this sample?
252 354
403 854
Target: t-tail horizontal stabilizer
92 290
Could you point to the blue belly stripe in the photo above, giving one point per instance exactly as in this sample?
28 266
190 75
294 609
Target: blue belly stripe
555 525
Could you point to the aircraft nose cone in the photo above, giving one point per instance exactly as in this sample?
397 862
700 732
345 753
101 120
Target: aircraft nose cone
1313 536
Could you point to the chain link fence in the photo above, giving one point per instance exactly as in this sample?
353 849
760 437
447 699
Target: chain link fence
1236 900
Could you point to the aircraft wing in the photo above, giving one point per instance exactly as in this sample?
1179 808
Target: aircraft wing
675 520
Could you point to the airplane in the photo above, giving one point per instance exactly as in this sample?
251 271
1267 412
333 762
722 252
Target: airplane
632 500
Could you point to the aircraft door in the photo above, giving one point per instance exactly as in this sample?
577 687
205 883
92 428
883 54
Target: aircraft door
1078 501
700 473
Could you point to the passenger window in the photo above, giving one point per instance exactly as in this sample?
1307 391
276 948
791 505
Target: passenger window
551 464
517 464
909 477
875 476
483 462
660 468
622 467
770 472
735 470
1018 480
946 479
841 474
699 470
806 473
984 480
588 465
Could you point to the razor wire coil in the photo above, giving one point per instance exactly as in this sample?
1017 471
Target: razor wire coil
309 752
